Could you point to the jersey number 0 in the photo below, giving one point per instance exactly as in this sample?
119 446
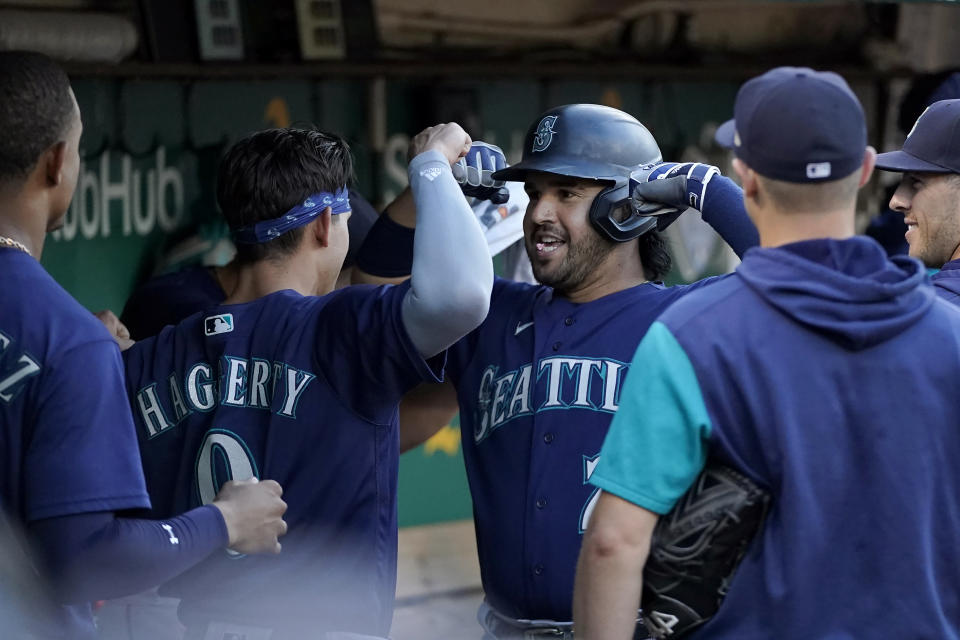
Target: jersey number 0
234 458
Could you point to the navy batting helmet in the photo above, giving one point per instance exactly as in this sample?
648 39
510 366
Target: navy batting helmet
596 143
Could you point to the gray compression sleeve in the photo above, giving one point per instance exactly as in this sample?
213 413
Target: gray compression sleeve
452 275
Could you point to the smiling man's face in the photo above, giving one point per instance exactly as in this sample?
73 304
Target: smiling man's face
562 244
930 204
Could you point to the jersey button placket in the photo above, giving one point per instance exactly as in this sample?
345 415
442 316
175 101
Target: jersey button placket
538 569
541 502
568 321
548 438
556 346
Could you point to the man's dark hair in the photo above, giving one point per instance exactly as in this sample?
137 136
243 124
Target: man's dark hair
35 110
654 256
269 172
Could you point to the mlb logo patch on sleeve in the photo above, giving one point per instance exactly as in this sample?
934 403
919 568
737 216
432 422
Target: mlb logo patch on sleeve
213 325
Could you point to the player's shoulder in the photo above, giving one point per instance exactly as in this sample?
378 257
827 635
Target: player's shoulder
356 297
290 314
510 300
510 291
708 300
947 282
48 319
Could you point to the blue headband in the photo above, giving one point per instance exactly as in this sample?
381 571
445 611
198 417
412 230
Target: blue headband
267 230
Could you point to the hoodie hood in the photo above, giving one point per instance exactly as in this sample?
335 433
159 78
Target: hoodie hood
847 290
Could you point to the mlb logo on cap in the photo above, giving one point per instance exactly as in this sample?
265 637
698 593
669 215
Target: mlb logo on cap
214 325
819 170
797 125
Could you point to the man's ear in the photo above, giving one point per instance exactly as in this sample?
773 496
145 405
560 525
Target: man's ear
53 159
869 161
321 227
748 177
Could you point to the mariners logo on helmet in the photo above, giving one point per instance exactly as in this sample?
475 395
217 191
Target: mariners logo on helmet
544 133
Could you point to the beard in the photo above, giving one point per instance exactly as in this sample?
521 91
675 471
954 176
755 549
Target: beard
581 258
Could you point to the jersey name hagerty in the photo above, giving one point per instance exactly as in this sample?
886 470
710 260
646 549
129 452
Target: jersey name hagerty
571 383
255 384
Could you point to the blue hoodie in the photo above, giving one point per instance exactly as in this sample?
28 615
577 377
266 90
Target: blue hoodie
830 375
946 282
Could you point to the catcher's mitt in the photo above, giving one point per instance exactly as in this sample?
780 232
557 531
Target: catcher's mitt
696 548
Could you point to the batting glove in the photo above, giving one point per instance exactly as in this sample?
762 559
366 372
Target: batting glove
475 171
667 189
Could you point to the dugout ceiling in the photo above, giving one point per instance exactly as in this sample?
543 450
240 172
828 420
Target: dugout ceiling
354 36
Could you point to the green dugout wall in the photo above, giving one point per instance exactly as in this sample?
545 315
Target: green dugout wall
150 147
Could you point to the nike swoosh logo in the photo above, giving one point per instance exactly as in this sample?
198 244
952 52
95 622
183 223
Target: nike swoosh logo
521 327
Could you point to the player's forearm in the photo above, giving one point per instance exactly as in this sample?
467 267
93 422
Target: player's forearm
724 211
452 274
98 556
605 595
609 579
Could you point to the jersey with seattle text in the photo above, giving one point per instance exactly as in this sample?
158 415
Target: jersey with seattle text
538 383
304 391
66 435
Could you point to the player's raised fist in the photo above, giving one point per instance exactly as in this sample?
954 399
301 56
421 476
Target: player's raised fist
449 139
668 188
253 512
475 170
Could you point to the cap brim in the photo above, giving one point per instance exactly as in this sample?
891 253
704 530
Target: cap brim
573 167
726 133
513 173
902 161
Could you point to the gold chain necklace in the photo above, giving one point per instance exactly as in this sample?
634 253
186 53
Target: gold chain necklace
13 244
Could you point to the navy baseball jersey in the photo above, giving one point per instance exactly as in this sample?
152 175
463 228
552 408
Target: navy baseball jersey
946 282
302 390
831 376
66 433
538 383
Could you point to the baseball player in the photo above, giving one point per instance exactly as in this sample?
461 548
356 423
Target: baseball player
289 380
823 371
539 380
66 436
928 196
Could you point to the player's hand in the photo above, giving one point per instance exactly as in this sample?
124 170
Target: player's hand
449 139
253 512
116 328
474 172
667 189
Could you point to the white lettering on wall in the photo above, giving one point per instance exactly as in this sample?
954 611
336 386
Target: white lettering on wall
123 199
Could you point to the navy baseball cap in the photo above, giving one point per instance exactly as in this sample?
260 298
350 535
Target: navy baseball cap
797 125
933 145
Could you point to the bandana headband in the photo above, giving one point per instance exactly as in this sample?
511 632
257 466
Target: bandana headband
303 213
